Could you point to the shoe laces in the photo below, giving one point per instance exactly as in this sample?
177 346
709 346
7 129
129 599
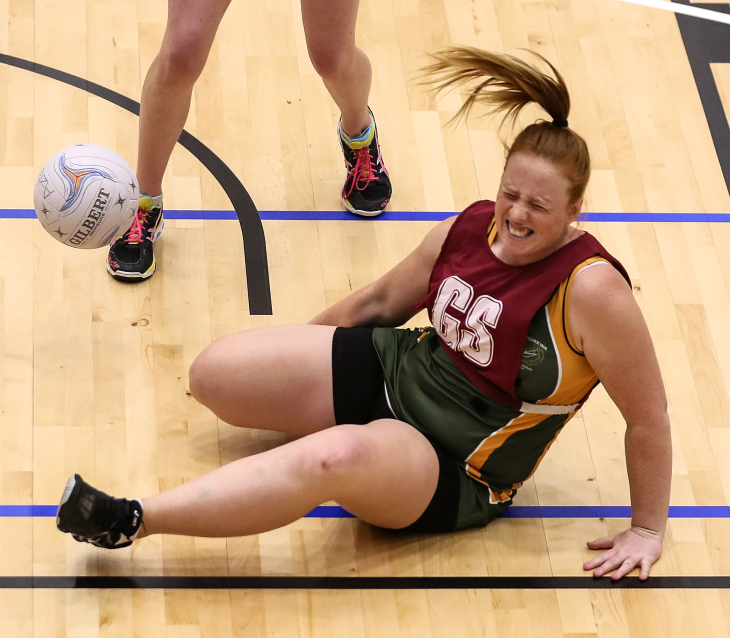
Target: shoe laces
110 512
136 230
363 172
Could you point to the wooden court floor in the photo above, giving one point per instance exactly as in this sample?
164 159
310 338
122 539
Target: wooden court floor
93 373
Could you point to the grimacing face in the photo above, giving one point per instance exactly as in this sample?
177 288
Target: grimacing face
533 212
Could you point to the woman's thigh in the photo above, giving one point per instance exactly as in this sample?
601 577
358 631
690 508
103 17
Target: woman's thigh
329 26
277 378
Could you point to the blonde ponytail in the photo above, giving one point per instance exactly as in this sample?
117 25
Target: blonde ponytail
506 84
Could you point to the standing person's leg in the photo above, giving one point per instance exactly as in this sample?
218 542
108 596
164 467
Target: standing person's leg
168 87
166 95
345 69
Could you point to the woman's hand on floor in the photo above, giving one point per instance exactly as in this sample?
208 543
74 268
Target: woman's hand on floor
634 547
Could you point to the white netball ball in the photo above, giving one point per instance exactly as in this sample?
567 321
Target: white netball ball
86 196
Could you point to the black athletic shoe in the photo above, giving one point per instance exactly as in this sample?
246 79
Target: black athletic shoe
367 188
91 516
131 257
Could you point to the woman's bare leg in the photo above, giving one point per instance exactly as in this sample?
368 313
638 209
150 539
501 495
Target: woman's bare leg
168 87
385 473
345 69
277 378
280 378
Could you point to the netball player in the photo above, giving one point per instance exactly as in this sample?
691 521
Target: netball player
435 430
329 28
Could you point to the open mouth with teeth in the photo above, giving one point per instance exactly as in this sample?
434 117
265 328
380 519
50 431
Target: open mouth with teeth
518 233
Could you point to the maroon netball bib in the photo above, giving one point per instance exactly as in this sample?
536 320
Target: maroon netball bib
482 307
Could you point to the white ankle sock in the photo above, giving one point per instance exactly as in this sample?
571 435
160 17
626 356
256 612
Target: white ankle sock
156 199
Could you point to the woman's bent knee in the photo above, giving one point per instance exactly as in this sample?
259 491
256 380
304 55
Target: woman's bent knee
385 472
340 453
182 57
330 62
202 376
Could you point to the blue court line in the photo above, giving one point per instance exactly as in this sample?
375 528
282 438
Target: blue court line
565 511
516 511
435 217
330 215
36 511
329 511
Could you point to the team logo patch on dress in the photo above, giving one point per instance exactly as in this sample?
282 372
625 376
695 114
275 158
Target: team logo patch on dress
534 354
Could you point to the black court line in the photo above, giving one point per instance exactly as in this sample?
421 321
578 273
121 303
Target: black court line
708 42
254 242
363 582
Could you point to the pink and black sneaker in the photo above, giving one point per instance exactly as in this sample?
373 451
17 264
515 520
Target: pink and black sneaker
367 188
131 257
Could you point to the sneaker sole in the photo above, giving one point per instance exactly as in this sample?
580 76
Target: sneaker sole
68 492
121 275
362 213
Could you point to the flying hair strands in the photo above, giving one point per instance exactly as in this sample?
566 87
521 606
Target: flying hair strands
501 82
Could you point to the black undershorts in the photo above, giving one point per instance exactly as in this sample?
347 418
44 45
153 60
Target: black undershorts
358 389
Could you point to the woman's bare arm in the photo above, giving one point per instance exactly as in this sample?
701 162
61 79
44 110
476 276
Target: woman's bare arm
610 329
388 301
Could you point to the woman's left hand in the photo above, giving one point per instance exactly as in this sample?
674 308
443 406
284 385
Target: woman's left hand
634 547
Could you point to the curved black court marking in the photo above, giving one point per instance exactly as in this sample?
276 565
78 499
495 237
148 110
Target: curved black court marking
706 43
254 242
363 582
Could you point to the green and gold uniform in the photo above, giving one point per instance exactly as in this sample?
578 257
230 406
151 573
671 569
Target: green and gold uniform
499 447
